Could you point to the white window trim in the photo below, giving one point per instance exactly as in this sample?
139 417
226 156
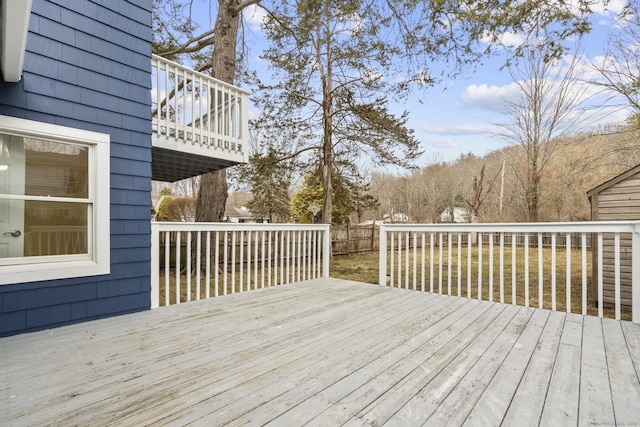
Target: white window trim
99 192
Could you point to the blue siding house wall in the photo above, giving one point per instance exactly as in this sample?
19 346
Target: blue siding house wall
87 66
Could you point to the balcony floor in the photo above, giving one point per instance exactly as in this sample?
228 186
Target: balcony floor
327 352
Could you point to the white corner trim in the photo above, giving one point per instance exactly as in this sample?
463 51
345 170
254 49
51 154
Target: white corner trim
15 27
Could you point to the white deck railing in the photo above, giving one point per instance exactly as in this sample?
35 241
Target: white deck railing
196 113
192 261
526 264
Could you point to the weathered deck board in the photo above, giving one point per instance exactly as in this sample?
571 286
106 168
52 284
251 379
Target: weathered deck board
326 352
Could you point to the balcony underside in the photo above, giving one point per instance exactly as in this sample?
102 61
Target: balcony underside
173 165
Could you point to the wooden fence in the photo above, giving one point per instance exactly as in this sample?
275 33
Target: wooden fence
354 238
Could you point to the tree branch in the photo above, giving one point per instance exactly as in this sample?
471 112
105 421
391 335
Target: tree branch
240 6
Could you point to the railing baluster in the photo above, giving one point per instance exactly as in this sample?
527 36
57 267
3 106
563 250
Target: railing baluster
391 258
616 262
469 263
208 265
400 260
449 249
491 267
248 268
431 261
526 269
256 260
188 260
276 256
584 273
480 266
233 261
269 254
568 271
440 244
262 259
304 255
241 262
424 260
184 103
553 271
501 234
288 256
513 269
178 274
217 263
167 266
540 272
600 282
415 259
406 263
225 261
198 265
459 274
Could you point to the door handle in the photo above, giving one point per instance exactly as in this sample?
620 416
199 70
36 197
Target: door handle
14 233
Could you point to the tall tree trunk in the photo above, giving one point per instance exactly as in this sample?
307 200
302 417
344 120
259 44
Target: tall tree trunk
212 197
212 191
327 145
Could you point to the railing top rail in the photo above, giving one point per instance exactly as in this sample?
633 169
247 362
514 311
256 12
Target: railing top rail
549 227
197 73
229 226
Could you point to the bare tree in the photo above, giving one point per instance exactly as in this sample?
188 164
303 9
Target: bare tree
619 67
549 104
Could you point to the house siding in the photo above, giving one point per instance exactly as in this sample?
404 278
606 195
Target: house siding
88 66
618 200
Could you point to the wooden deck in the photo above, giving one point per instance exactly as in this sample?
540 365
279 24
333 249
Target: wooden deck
326 352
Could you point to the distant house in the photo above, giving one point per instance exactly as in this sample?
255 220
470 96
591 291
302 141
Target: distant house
397 218
85 125
616 200
459 215
242 215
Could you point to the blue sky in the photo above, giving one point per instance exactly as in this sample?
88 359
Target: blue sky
463 117
460 116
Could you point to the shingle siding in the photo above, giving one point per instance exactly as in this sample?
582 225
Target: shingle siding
87 66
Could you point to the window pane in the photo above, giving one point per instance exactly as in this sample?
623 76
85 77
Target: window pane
35 167
55 228
55 169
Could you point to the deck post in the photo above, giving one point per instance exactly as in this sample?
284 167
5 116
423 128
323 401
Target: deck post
382 248
635 274
326 250
155 266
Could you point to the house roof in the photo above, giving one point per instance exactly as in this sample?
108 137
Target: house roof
240 212
13 36
624 175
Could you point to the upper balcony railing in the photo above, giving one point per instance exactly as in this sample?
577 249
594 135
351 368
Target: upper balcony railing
197 115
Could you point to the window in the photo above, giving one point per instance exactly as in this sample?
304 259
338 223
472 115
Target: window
54 201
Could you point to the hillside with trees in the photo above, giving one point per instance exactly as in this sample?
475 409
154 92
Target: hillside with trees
580 163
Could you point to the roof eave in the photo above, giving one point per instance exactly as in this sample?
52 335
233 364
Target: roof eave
15 27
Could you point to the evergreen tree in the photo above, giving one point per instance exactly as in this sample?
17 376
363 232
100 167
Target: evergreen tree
269 183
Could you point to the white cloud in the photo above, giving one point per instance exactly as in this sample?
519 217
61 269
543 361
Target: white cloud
507 39
254 15
611 7
485 97
442 143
